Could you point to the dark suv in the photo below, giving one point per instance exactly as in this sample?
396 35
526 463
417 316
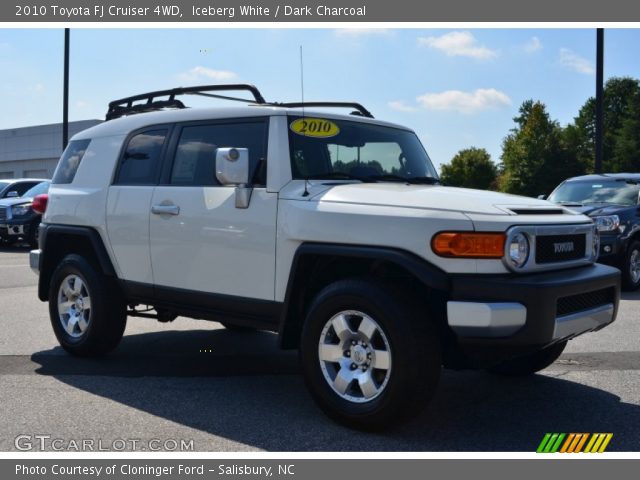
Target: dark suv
17 187
612 200
18 219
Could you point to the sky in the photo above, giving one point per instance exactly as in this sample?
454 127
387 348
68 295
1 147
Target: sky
457 88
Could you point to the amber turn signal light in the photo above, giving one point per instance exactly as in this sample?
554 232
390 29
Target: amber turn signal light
469 245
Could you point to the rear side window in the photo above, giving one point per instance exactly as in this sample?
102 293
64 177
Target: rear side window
194 163
70 161
140 162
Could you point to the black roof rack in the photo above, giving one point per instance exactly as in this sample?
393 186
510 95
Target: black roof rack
360 110
126 106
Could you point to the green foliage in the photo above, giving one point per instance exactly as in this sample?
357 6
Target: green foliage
470 168
626 149
538 154
621 111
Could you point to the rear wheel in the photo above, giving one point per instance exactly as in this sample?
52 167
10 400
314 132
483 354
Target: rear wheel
369 355
87 311
531 363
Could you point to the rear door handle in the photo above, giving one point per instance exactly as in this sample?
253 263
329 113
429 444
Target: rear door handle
165 209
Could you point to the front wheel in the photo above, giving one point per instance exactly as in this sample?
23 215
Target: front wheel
87 311
631 267
530 363
370 356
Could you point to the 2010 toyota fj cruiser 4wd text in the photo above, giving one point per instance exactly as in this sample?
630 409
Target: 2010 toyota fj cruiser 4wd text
331 230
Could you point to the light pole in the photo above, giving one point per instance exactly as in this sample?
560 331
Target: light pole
599 98
65 92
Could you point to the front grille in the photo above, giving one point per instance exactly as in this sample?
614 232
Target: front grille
3 213
560 248
584 301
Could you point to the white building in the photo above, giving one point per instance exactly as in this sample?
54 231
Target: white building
34 151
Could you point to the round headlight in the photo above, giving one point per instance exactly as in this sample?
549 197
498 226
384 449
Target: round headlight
518 250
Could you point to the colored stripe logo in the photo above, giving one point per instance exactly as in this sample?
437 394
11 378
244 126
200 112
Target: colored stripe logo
574 443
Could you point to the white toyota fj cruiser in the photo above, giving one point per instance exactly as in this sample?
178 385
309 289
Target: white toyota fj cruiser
331 230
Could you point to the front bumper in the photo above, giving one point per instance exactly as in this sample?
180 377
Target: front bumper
14 228
508 315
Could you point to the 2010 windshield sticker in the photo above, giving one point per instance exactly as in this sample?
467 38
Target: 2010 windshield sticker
314 127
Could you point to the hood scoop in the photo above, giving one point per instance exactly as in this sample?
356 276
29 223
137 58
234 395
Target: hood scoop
538 211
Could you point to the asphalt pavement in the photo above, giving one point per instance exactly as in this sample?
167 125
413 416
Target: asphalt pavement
191 385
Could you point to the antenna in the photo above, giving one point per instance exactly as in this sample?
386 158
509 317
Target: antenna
302 80
306 178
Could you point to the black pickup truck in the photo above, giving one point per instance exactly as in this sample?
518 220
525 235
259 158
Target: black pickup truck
612 200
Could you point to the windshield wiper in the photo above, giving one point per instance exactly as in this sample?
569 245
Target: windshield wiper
339 176
389 177
604 202
567 203
423 180
400 178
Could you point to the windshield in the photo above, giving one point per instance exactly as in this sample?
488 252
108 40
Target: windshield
619 192
42 187
322 148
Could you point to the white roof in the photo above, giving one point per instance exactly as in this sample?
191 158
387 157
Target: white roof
124 125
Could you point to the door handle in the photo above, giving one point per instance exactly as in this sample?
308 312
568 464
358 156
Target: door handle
165 209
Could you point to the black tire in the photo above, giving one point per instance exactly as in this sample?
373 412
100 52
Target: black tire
237 328
415 360
32 238
106 318
531 363
631 257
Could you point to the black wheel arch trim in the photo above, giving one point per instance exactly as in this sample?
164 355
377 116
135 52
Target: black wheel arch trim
427 273
48 231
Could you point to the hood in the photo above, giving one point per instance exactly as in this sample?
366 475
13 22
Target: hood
432 197
10 202
597 209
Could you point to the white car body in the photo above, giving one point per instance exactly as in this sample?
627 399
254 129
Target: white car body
344 267
279 219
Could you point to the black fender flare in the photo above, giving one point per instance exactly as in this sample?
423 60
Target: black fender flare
49 233
427 273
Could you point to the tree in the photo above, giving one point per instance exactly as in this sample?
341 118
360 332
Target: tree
470 168
538 154
619 108
626 149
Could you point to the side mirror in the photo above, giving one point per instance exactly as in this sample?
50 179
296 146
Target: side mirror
12 194
542 197
232 168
